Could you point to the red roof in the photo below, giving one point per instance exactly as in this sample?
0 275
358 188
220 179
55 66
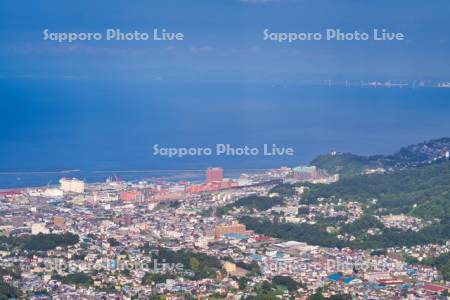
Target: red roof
434 288
390 281
10 193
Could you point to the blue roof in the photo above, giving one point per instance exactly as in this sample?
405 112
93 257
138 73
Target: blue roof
255 257
280 254
347 280
412 272
112 264
235 236
334 277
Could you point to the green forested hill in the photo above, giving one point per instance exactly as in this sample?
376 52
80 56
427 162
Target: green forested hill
348 165
418 184
423 191
317 235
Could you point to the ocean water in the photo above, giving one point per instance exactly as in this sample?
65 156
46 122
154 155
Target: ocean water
93 129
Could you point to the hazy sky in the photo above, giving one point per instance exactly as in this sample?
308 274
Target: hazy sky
224 40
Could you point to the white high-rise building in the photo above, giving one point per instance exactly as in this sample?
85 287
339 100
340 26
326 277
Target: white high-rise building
72 185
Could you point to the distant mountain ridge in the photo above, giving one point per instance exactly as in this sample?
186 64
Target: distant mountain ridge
347 164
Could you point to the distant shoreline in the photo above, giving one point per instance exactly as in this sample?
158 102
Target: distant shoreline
98 176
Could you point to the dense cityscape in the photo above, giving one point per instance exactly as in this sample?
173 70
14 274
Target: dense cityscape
224 150
182 240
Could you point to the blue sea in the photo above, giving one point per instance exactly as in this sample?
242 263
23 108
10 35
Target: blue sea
93 129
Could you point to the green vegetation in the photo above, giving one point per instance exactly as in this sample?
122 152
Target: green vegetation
113 242
266 291
44 242
423 191
311 234
378 252
39 242
175 204
218 296
442 263
273 290
288 282
14 273
243 281
8 292
157 297
252 202
288 189
79 279
283 189
348 165
317 235
330 221
201 265
304 210
150 278
252 267
361 225
319 296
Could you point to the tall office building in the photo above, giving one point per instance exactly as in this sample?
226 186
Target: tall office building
214 175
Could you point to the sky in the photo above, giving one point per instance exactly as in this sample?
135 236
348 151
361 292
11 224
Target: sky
224 40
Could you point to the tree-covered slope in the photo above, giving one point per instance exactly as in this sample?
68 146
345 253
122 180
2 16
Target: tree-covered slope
348 165
423 191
